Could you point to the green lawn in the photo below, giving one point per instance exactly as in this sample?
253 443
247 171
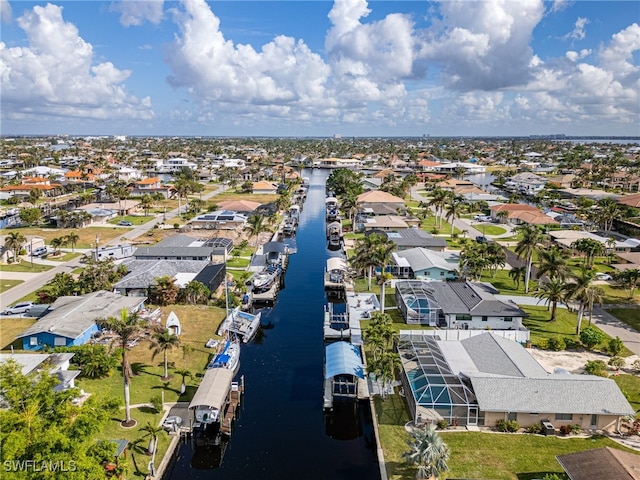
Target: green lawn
243 252
65 257
479 455
134 219
24 266
238 262
630 386
630 316
505 284
490 229
87 234
7 284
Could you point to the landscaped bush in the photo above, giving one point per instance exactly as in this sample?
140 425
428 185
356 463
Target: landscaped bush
556 344
572 344
616 362
596 367
615 346
590 337
636 366
442 424
534 428
156 403
570 429
510 426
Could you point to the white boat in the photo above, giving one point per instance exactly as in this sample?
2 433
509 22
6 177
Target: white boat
264 280
173 324
229 357
243 324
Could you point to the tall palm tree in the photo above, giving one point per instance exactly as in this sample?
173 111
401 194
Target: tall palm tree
164 342
363 258
438 200
72 239
255 226
126 327
593 294
553 262
164 290
428 452
591 249
517 274
578 290
532 237
553 291
14 242
455 207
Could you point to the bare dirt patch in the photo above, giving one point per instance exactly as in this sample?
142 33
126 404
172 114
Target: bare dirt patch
573 362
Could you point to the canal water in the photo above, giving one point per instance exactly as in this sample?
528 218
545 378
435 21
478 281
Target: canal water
281 432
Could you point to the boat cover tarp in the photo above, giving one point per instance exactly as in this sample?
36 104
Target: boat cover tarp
343 358
336 263
275 247
213 389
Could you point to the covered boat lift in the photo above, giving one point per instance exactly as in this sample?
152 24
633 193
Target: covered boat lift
335 276
343 367
211 396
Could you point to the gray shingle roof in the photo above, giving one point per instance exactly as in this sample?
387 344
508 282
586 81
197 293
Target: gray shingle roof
415 237
576 394
423 258
71 316
471 298
142 273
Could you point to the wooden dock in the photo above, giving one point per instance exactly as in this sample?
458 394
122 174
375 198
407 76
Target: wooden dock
233 402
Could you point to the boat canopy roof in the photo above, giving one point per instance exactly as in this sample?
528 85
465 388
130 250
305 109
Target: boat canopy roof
274 247
336 263
343 358
213 390
331 200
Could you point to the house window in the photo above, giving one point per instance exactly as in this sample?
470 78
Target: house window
463 318
33 341
564 416
485 318
507 319
427 273
512 416
442 274
59 341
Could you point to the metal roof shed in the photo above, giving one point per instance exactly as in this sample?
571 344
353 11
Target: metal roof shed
213 389
343 358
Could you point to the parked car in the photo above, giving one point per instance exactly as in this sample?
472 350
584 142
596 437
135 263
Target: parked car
125 223
602 276
22 307
38 252
482 239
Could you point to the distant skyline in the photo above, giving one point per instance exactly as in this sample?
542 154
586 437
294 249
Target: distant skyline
319 68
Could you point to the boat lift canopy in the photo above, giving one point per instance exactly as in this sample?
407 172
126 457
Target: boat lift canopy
343 358
214 389
336 263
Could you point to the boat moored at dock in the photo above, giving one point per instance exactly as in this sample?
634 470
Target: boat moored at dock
243 324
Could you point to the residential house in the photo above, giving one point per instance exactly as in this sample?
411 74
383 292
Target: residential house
525 182
627 261
520 213
477 378
44 185
150 186
123 207
220 220
114 252
245 207
72 320
599 463
56 363
457 305
425 264
265 188
414 237
184 247
620 244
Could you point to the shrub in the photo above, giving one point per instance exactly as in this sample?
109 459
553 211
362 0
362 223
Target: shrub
596 367
156 403
176 226
636 366
616 362
615 346
571 343
575 429
565 429
442 424
507 426
590 337
543 344
556 344
534 428
553 476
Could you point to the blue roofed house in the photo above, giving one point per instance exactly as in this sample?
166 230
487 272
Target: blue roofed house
72 320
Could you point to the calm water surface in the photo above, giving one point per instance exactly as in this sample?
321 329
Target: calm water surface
282 432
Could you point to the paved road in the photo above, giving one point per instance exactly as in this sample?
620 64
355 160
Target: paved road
36 281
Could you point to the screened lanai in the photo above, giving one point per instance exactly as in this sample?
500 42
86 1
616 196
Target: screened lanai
417 303
432 388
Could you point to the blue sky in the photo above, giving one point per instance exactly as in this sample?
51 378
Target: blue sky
319 68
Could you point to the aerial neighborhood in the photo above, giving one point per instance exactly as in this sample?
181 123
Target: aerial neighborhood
480 304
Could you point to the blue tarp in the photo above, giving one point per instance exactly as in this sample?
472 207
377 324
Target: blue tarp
343 358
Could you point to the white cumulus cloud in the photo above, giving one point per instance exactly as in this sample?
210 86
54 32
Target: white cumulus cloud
5 11
136 12
55 74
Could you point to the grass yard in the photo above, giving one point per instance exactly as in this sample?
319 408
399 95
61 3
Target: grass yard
229 195
238 262
630 316
12 326
134 219
476 454
489 229
24 266
87 235
7 284
505 284
65 257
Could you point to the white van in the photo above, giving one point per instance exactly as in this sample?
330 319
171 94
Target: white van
38 252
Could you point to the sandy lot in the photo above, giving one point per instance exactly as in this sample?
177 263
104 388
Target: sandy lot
573 362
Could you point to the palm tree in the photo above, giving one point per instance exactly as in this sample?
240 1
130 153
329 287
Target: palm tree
517 274
14 242
163 342
590 247
255 226
151 432
56 243
553 291
553 262
593 294
72 239
195 292
578 290
532 236
455 207
126 328
164 291
184 374
428 452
